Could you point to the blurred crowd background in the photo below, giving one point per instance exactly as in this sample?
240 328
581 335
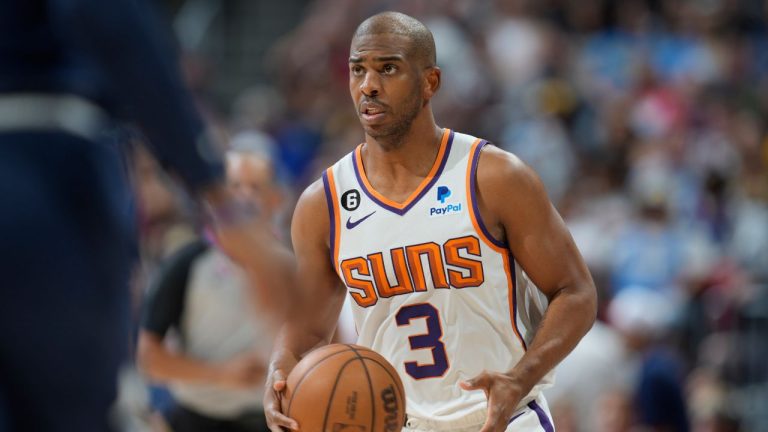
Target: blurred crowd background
646 119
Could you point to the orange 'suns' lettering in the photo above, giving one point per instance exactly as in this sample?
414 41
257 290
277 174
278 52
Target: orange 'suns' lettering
471 245
368 298
436 266
404 285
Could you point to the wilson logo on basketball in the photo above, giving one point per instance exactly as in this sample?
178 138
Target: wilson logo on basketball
352 405
389 399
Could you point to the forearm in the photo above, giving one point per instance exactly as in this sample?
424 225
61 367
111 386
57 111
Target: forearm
570 315
272 268
162 365
293 341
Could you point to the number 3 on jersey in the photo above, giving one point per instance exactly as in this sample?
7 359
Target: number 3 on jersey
432 339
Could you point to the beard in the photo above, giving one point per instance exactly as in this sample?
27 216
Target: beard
391 135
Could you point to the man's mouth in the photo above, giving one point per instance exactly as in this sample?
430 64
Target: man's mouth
371 112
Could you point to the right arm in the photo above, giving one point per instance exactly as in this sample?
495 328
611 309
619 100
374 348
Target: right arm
163 365
163 310
320 298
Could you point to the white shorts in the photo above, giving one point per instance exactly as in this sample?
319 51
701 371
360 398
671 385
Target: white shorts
534 417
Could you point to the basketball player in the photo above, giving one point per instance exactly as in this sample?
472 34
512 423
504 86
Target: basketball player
68 70
460 271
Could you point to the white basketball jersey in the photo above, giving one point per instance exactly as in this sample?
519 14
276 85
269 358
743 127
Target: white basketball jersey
431 289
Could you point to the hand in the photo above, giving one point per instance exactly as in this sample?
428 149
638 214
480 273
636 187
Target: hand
273 394
246 371
249 241
235 223
503 394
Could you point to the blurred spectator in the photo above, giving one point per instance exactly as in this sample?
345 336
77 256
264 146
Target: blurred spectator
643 318
652 251
594 369
222 324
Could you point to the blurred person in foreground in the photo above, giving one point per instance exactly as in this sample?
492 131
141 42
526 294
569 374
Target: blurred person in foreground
68 70
224 332
425 225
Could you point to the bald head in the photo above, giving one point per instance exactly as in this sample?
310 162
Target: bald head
422 47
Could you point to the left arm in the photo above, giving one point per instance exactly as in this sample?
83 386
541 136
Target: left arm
540 241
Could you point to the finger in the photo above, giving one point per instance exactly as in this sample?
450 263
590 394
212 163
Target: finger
279 386
481 381
496 421
278 380
276 420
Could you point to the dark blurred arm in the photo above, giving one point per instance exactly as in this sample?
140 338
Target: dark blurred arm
126 38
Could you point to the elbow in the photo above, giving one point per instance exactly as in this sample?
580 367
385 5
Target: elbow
588 302
580 298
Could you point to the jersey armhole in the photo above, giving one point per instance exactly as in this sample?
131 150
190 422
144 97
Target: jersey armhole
498 246
332 201
474 209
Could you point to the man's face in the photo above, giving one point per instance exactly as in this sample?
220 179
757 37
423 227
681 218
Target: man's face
251 178
385 84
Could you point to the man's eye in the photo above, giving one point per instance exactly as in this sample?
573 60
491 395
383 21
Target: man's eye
390 69
357 70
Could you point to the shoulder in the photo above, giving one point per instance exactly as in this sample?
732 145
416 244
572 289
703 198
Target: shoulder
311 217
314 197
503 173
184 257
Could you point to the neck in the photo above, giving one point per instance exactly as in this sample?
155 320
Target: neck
423 131
415 149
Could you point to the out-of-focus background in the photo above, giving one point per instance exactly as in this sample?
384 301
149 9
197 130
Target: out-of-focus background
646 119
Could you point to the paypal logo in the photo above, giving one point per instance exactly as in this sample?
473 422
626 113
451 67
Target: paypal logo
446 210
443 193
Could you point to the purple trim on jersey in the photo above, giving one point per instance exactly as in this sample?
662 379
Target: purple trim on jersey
419 196
513 275
473 197
514 418
546 423
331 214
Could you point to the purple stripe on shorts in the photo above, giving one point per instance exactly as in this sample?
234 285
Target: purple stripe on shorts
546 423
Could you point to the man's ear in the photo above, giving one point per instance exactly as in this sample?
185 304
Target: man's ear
432 80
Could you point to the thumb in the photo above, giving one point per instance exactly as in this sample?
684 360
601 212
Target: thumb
278 380
479 382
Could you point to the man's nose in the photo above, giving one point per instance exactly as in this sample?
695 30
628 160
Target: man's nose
371 84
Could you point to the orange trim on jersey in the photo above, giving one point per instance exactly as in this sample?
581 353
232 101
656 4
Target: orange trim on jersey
424 183
336 219
492 243
470 204
511 293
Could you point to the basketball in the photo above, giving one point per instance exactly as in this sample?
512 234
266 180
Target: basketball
345 388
